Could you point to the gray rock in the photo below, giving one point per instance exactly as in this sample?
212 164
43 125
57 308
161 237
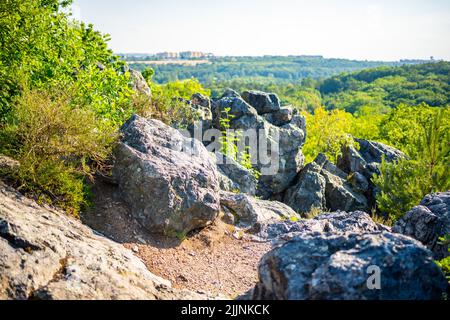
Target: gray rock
251 213
369 153
359 182
167 188
230 93
263 102
428 222
228 216
288 158
334 222
199 99
237 107
321 266
47 255
240 177
139 84
323 186
8 164
225 183
340 195
280 117
309 192
366 162
372 151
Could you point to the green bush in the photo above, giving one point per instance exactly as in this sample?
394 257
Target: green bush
404 183
63 96
326 132
57 145
401 186
43 47
167 102
444 264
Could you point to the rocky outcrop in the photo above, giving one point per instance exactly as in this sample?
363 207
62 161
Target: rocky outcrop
230 93
373 266
47 255
234 177
170 182
362 164
367 159
309 191
279 128
287 158
323 186
251 213
428 222
199 99
332 223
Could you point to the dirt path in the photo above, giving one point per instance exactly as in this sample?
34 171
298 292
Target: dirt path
211 260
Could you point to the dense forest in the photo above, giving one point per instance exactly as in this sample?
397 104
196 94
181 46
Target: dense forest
64 96
279 69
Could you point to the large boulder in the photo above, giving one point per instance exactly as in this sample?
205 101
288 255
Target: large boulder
47 255
323 186
349 266
251 213
230 93
169 181
428 222
263 102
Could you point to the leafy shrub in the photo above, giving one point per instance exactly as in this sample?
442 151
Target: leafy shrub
404 183
168 102
43 47
444 264
327 131
57 145
63 95
229 144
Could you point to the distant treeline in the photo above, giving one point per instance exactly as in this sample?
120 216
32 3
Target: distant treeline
378 88
275 68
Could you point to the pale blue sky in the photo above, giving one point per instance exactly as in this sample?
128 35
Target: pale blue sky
356 29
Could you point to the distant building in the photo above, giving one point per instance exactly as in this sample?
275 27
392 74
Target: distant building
168 55
190 54
186 55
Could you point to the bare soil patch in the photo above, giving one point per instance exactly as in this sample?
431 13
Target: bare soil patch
209 260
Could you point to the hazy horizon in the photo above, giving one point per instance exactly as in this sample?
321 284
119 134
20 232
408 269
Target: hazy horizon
280 55
348 29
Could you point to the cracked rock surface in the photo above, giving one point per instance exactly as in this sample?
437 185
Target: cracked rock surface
318 265
46 255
